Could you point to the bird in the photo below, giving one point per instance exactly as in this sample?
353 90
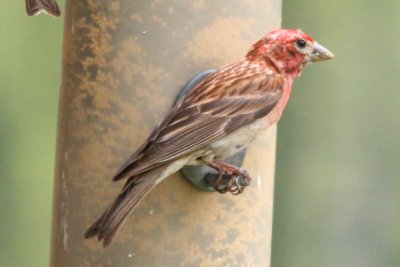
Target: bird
35 7
222 115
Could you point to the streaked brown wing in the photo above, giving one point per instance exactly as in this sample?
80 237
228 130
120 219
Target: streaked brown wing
200 119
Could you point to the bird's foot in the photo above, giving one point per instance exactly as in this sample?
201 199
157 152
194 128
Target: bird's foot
229 179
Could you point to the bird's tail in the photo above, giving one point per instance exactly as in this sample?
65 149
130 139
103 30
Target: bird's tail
133 192
34 7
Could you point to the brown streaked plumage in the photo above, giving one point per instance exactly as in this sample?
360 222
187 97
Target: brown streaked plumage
221 116
35 7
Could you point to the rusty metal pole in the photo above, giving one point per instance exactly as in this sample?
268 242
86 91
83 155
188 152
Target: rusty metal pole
124 62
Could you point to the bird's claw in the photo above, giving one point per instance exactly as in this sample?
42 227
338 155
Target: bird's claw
229 179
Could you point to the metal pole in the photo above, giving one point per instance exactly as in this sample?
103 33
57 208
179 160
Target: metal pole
124 62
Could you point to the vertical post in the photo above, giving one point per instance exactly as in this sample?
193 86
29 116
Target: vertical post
124 62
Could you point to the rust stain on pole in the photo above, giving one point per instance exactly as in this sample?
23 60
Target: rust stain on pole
124 62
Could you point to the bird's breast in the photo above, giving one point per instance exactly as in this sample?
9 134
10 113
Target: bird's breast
277 111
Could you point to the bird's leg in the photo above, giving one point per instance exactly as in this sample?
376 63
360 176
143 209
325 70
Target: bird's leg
230 178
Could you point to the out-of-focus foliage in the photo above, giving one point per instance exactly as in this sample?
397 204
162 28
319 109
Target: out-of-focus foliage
338 161
30 56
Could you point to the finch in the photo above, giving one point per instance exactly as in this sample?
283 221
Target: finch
35 7
222 115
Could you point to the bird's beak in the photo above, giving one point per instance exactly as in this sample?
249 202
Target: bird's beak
321 53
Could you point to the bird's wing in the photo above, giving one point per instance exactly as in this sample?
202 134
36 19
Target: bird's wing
215 108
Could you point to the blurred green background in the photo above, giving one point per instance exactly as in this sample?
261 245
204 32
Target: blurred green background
337 201
30 57
337 198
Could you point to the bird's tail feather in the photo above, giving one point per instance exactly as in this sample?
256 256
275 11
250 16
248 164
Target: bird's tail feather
34 7
112 219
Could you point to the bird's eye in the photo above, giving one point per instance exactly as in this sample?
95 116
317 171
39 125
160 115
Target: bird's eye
301 43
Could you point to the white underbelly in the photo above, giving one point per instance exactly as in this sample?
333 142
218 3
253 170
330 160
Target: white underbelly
239 139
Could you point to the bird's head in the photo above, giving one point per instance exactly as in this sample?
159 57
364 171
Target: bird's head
289 50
